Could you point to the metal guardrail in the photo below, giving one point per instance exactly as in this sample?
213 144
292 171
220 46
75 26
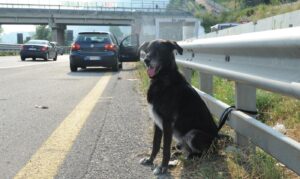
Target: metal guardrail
17 48
269 60
10 47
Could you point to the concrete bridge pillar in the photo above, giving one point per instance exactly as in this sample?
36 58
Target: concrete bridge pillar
136 26
177 28
58 33
169 28
147 28
189 30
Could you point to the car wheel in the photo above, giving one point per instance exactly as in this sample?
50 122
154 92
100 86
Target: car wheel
23 58
55 58
47 57
73 68
33 59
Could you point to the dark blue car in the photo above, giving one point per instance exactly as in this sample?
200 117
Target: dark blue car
102 49
38 49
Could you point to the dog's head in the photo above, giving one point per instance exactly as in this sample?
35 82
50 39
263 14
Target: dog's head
159 56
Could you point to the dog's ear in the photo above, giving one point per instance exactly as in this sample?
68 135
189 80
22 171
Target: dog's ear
173 45
143 46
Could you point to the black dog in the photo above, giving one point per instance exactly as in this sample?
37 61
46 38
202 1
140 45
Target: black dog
177 108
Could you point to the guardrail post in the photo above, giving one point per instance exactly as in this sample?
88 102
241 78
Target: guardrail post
245 99
187 73
206 83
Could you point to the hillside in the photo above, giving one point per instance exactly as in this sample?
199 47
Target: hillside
241 11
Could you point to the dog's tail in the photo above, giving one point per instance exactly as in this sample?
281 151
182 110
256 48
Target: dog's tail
224 116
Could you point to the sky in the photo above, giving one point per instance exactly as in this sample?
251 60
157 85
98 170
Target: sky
16 28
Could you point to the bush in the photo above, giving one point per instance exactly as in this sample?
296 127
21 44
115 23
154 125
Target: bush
8 53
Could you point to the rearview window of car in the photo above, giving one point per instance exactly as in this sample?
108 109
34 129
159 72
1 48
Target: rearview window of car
37 42
93 38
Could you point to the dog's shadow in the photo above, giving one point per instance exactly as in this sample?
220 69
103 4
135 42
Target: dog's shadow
213 164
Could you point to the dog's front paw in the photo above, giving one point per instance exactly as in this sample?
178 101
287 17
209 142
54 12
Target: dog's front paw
146 161
160 170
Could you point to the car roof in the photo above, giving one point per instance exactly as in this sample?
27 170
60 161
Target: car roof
94 33
38 40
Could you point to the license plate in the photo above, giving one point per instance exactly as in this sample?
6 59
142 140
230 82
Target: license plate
31 48
94 58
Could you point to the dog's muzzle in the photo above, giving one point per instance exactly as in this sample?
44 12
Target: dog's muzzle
151 71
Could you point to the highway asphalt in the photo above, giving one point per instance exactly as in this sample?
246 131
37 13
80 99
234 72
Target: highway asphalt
93 123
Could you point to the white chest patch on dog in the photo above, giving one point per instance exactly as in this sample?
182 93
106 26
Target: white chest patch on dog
155 117
158 121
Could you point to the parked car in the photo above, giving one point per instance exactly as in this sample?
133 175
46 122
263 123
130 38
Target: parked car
222 26
59 49
102 49
38 49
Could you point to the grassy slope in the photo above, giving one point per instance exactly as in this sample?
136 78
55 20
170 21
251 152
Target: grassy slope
237 13
8 53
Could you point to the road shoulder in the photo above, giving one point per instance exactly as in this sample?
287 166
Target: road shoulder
116 135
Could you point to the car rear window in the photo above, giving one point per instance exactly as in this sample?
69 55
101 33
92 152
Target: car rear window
37 42
93 38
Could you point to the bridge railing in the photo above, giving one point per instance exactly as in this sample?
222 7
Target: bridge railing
155 6
267 60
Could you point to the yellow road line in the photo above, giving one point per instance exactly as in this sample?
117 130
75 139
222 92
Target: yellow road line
47 160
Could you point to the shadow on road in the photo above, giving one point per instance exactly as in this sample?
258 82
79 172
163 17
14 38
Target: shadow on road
96 71
36 61
91 72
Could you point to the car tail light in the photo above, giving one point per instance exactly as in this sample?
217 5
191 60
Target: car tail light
75 47
43 49
110 47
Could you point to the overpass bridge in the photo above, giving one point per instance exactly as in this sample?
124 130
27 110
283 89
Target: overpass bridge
150 22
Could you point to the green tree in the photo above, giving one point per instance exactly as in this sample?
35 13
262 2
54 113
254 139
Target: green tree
116 31
42 32
179 4
208 20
